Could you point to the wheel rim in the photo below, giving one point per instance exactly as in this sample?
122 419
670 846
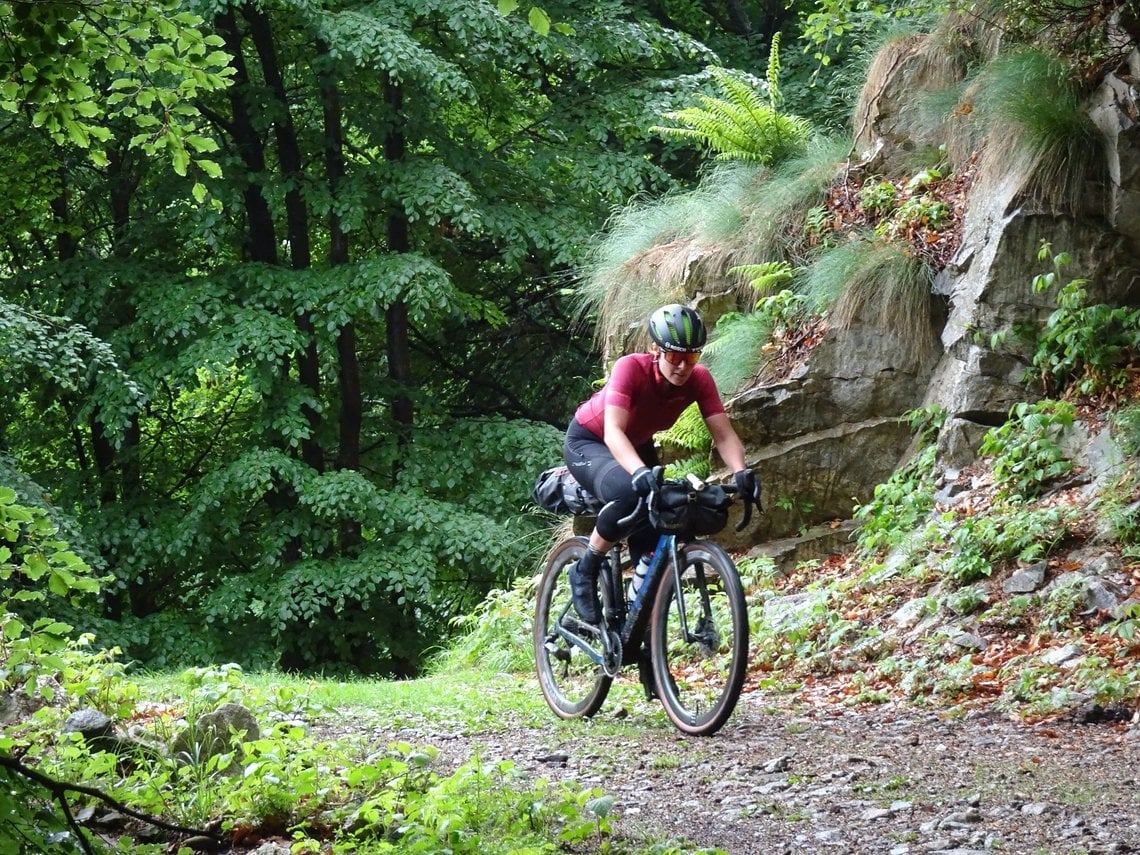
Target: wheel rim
571 681
705 671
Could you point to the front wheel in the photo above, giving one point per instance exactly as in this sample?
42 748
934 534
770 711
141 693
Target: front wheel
699 640
568 656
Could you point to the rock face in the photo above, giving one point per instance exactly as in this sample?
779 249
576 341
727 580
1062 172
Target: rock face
823 438
831 433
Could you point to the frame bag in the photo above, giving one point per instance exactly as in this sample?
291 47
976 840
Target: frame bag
557 491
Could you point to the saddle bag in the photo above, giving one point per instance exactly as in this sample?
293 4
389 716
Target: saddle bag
557 491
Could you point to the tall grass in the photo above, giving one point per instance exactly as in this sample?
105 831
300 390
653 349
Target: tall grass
1026 111
880 283
652 250
735 351
778 206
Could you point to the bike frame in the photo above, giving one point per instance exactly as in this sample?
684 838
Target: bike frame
628 619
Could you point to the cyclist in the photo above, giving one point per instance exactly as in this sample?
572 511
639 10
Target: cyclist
609 443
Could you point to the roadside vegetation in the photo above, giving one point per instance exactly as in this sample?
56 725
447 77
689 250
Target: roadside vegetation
834 642
915 613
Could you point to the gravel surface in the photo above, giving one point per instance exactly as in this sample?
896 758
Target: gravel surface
784 779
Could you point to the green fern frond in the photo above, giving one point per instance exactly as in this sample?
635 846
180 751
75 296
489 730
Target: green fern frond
767 276
697 465
774 73
688 433
739 125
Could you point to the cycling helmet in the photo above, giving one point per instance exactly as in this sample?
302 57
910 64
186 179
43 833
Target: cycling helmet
677 327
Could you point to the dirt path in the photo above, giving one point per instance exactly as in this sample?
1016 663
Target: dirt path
871 780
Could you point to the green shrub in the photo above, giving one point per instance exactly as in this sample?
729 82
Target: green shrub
1025 453
1086 349
496 636
897 506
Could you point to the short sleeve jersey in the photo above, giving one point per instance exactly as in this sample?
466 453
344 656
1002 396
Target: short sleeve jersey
653 403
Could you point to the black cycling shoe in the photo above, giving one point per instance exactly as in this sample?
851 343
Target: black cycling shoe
584 592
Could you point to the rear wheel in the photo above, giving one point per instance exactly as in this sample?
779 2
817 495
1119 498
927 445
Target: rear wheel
699 640
567 653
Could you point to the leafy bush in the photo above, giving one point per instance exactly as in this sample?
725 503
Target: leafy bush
1086 349
350 794
39 574
965 547
1025 451
496 636
879 197
897 506
251 583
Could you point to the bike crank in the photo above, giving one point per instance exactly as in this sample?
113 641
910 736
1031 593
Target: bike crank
611 654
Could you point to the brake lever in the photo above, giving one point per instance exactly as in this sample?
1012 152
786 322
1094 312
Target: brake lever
642 503
747 514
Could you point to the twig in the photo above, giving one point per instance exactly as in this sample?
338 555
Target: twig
60 789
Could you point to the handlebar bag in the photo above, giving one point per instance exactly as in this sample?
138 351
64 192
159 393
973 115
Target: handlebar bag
682 510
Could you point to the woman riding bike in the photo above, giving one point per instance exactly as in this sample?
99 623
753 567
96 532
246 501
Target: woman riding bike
609 443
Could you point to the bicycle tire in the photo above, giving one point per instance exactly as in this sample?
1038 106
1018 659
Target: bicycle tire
573 684
699 681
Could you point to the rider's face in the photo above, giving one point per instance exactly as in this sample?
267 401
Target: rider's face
675 367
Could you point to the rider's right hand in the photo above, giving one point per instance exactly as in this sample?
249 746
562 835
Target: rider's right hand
643 481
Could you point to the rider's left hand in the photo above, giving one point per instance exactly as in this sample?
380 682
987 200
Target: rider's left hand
748 485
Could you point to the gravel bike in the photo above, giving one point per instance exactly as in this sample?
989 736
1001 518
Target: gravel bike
691 604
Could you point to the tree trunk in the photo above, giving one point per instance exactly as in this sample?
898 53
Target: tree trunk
399 351
262 245
296 217
348 364
250 148
65 243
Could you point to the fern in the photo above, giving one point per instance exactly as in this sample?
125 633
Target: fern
734 354
697 465
688 433
773 76
740 126
690 442
767 276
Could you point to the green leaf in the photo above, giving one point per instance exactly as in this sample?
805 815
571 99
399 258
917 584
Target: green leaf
507 6
601 806
35 566
539 20
58 584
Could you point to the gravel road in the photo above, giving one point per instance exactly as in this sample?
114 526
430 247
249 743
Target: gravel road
780 778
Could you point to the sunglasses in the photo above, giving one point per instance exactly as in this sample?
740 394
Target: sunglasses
677 358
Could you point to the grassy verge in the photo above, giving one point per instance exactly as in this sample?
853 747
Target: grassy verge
308 774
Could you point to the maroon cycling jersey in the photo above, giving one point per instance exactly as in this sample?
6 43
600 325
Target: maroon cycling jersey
653 403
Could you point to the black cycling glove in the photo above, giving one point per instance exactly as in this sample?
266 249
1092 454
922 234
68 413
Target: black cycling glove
748 485
643 481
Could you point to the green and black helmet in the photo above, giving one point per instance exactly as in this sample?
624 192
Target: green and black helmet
677 327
